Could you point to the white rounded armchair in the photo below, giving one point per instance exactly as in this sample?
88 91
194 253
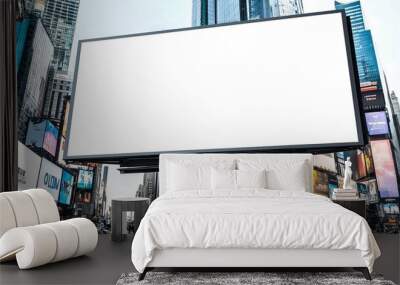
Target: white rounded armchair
31 230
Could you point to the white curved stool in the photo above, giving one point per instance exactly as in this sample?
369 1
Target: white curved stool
31 230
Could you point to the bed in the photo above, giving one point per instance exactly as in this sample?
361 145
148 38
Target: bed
247 211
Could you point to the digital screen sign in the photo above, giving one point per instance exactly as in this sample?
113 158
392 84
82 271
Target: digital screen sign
373 101
50 178
42 135
66 188
85 179
384 168
35 133
50 139
377 123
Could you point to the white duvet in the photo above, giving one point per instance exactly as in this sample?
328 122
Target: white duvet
250 219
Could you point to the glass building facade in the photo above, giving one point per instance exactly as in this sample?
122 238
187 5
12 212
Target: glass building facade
59 19
367 63
227 11
209 12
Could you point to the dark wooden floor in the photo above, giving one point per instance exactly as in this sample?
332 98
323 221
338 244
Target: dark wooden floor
103 266
110 260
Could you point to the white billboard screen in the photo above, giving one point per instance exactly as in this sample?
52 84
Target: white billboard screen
283 83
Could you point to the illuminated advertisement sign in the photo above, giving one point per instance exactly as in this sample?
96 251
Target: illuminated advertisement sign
66 187
42 135
50 178
50 138
384 168
85 179
377 123
35 133
374 101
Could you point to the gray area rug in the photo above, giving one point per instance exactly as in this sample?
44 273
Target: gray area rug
273 278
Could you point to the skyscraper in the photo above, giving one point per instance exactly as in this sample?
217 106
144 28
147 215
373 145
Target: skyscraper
367 63
59 19
208 12
32 75
59 88
284 7
394 101
148 188
259 9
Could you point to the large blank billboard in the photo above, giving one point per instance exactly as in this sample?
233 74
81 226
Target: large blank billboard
275 84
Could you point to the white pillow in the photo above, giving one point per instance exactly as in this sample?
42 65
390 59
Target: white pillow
293 179
187 174
290 174
188 177
251 178
227 179
223 179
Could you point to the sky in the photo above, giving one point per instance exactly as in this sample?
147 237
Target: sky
104 18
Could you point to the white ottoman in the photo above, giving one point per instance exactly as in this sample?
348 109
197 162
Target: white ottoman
37 245
31 231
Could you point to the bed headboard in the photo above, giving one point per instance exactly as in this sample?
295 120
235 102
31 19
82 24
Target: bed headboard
165 159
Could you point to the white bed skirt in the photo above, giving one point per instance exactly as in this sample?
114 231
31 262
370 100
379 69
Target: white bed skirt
191 257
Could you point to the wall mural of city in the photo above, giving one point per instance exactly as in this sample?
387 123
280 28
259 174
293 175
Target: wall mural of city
45 35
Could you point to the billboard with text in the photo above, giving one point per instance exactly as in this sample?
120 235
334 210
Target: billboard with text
50 178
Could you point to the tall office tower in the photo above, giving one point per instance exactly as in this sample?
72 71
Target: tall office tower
394 111
28 6
38 8
367 63
59 88
258 9
208 12
394 101
32 74
228 11
59 19
285 7
149 187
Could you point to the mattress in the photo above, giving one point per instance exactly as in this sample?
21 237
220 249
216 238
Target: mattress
250 219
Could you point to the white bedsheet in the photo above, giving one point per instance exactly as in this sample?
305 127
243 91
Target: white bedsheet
250 219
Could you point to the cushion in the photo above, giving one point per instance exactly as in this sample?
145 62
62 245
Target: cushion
186 174
32 246
281 174
46 208
223 179
23 208
254 178
188 177
7 218
67 240
87 235
41 244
